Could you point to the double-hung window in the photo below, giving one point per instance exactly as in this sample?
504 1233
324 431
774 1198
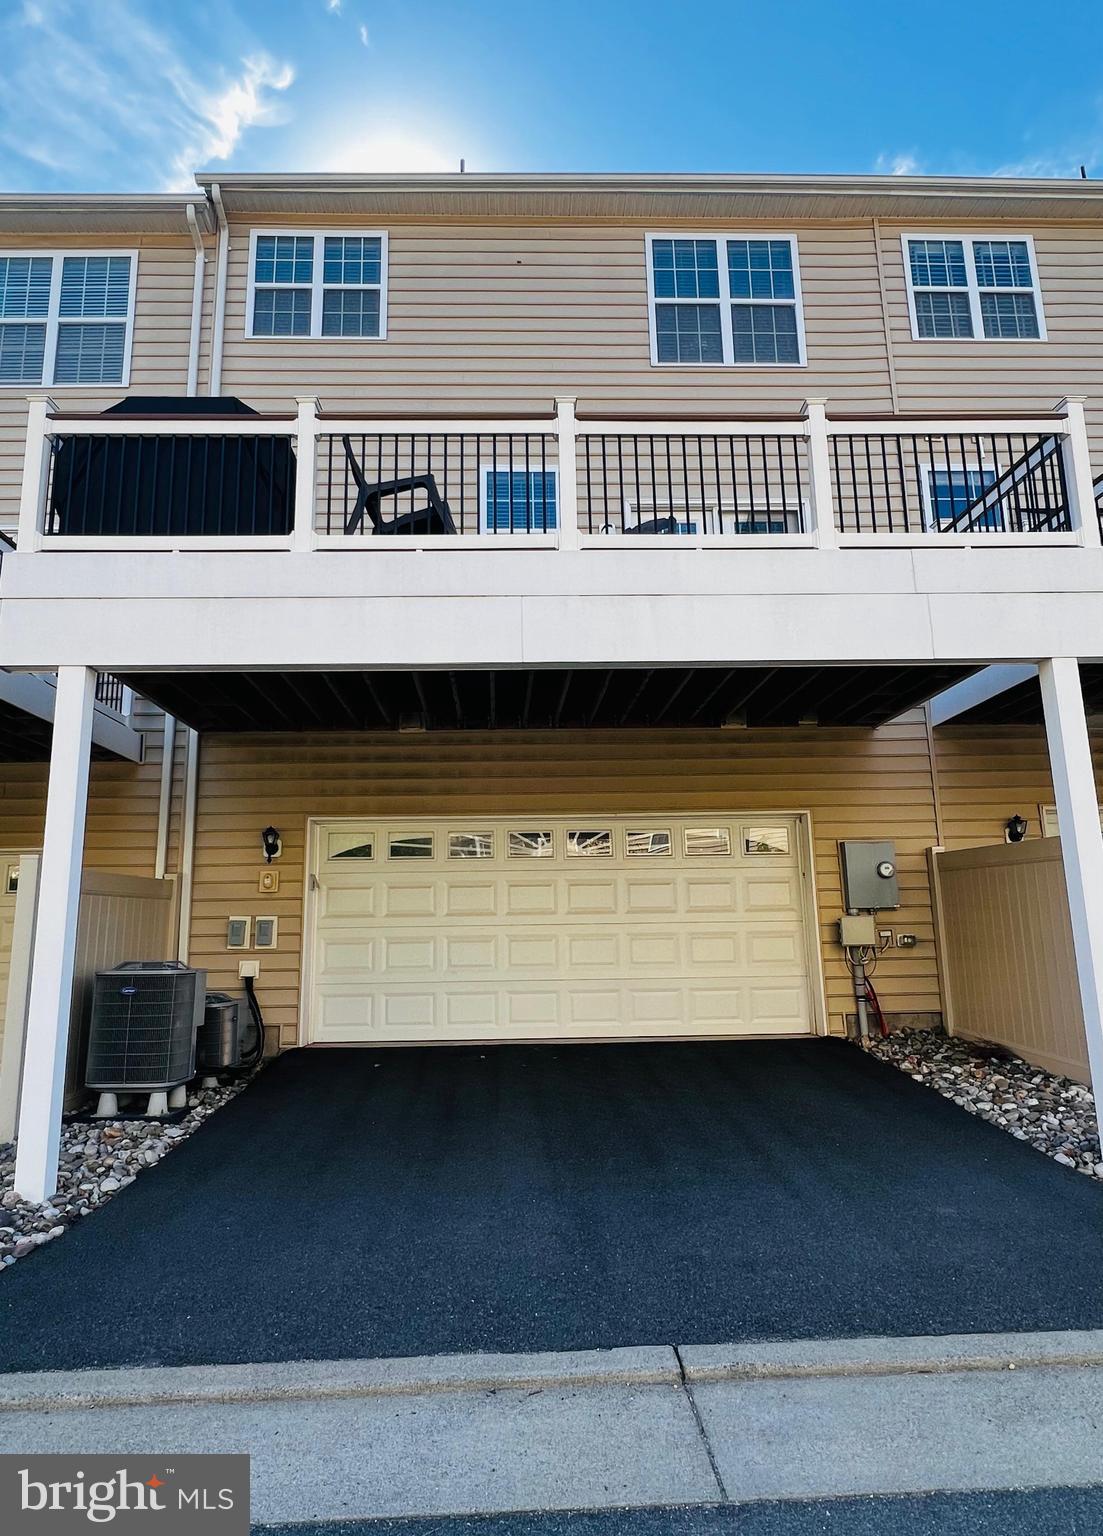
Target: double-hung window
66 319
331 284
964 289
725 300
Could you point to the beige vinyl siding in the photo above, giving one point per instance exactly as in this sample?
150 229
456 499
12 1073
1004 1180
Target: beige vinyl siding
986 774
855 784
159 361
1024 376
502 317
123 797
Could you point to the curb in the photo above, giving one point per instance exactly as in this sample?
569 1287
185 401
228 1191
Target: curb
644 1366
44 1391
890 1357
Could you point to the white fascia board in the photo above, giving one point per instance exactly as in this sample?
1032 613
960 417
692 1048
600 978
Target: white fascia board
978 689
37 696
456 632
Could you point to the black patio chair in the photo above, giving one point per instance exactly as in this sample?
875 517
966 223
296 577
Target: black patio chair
436 517
654 525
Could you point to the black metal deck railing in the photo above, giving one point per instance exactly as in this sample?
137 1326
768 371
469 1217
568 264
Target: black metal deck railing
1098 488
993 482
110 691
692 483
421 484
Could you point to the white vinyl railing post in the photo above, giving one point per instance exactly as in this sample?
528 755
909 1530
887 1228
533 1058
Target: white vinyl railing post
306 471
1070 761
36 473
1078 470
55 941
567 441
821 501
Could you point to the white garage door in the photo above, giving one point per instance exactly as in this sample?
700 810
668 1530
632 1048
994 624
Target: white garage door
555 929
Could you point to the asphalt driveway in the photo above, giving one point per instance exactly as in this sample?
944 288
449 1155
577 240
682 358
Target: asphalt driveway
410 1202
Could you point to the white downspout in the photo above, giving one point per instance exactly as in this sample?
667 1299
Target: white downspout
215 387
187 843
196 301
164 803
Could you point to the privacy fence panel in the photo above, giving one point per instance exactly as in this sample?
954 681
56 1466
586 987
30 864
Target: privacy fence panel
1005 939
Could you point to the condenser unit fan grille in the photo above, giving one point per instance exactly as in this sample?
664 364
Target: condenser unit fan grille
143 1027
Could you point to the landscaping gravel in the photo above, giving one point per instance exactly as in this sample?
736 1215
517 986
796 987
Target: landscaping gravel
98 1158
1054 1114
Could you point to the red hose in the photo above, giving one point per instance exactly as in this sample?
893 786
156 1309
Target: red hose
875 1008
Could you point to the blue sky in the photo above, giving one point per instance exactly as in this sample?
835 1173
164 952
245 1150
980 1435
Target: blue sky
120 95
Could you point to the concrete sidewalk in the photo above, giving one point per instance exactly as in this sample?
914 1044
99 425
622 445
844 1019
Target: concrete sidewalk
601 1429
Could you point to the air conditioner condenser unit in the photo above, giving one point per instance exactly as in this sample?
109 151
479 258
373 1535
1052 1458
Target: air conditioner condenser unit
145 1018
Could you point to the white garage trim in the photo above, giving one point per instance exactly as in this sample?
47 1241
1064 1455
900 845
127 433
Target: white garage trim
552 1001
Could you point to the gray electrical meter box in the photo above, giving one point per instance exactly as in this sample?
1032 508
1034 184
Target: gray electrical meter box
869 876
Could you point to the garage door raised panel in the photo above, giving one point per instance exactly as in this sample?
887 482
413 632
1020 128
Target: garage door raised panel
511 930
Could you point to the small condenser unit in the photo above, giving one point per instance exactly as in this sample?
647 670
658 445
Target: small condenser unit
145 1018
218 1048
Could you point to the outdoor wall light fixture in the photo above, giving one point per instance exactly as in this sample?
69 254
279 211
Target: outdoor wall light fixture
271 843
1015 829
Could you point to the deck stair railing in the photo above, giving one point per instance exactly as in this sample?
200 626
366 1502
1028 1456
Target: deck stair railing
973 483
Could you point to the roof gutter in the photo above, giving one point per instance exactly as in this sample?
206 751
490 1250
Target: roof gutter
215 384
196 301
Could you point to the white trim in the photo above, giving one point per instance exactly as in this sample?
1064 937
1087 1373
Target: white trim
318 285
725 300
494 534
973 288
52 321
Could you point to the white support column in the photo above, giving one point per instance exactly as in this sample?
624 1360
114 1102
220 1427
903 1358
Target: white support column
55 940
1078 470
566 434
822 503
306 472
36 468
1074 789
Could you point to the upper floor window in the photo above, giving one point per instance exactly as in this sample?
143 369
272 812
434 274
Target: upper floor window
725 300
66 319
332 285
973 289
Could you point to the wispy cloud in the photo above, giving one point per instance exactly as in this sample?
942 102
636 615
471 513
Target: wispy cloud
98 95
898 165
364 38
334 6
1046 166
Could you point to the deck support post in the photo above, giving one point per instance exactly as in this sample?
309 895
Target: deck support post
821 501
1078 470
51 990
306 471
36 474
1077 800
566 433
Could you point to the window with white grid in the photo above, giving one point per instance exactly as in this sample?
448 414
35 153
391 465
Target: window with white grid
725 300
331 284
66 318
972 289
